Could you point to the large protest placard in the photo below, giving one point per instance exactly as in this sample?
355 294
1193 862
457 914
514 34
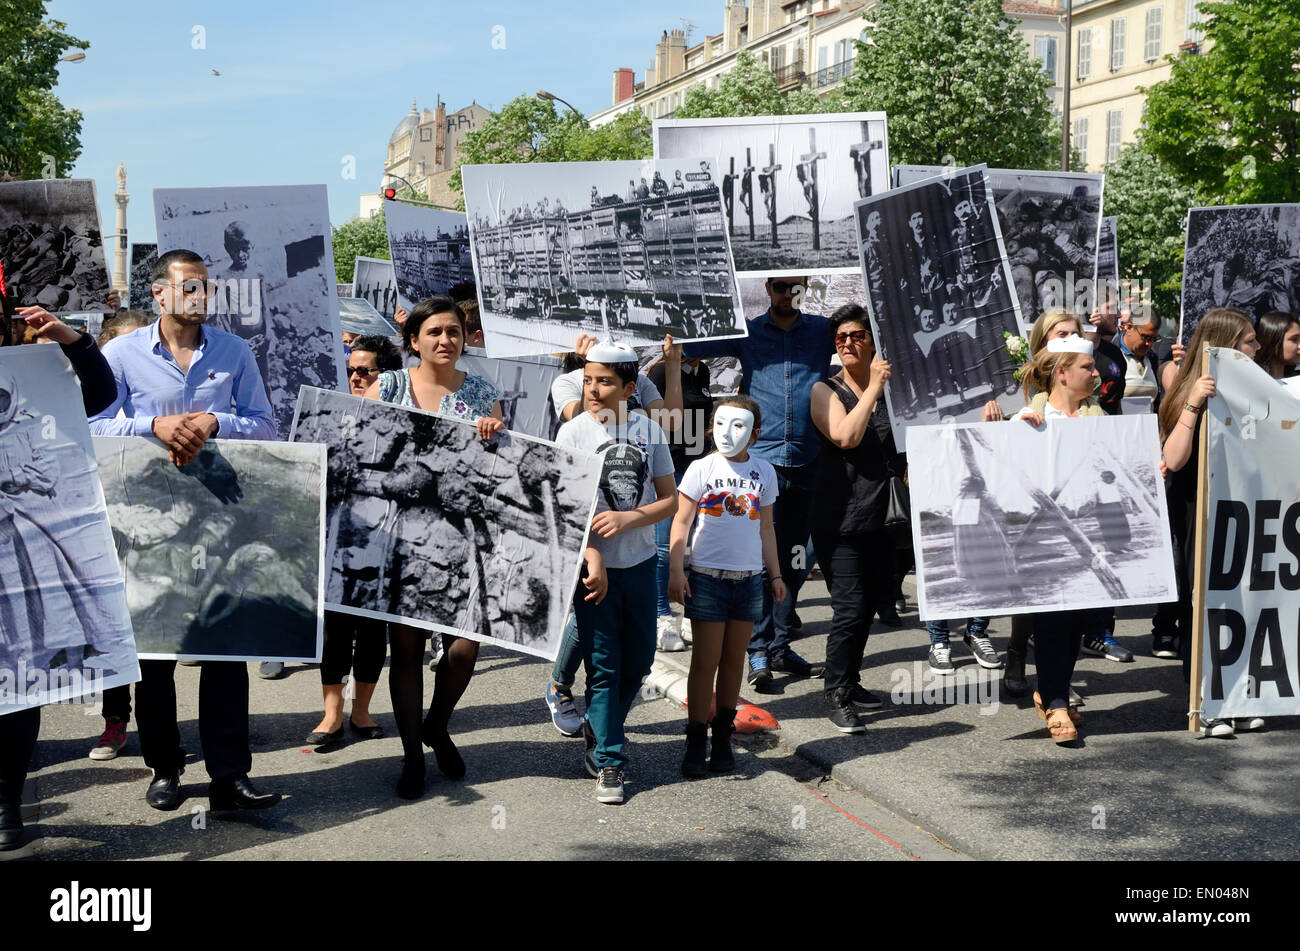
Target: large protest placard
430 250
429 525
1106 268
1050 223
1009 519
223 558
140 293
1241 256
358 316
788 182
525 385
628 251
373 280
65 631
52 247
267 252
940 296
1249 588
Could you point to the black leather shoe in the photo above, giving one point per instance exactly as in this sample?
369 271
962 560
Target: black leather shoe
411 783
450 763
165 791
323 739
375 732
11 826
788 662
1013 676
238 793
889 615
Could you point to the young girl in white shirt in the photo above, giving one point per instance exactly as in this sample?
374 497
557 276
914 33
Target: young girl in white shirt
727 498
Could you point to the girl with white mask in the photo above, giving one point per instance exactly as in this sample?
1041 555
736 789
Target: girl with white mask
725 508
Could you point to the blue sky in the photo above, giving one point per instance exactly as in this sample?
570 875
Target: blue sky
304 84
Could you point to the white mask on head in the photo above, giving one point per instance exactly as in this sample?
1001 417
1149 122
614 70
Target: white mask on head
732 427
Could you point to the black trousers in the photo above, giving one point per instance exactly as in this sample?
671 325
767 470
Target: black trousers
337 655
18 732
1056 647
223 717
117 703
859 573
791 520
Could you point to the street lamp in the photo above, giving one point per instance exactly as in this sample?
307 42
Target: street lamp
76 57
1065 100
548 96
394 191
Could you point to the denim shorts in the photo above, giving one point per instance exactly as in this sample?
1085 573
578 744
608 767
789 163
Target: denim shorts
713 599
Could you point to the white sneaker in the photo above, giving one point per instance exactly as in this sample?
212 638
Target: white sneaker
1248 723
1217 728
686 630
669 639
435 649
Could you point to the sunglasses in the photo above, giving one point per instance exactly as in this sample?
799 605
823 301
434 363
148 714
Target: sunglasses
364 372
781 287
857 336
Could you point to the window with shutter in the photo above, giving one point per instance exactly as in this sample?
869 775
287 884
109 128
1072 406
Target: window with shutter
1083 56
1114 134
1081 137
1118 29
1155 33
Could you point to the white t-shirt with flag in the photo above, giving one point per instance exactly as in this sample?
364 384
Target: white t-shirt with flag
729 501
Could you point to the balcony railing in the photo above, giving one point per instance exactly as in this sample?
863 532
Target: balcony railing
792 75
832 74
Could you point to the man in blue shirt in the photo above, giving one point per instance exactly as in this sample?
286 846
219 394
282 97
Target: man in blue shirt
786 352
185 384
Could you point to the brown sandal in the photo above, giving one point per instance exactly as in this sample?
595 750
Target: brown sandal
1075 716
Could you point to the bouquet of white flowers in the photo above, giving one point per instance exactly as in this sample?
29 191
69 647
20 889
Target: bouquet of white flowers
1018 351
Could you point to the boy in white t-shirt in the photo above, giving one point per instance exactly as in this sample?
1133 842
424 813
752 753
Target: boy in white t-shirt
731 493
615 605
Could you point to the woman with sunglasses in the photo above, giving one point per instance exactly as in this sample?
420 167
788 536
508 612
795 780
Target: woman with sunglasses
370 356
856 462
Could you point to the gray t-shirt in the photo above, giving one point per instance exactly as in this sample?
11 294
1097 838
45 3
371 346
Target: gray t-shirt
632 457
567 389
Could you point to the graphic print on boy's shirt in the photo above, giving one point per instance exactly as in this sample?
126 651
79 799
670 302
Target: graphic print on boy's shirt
622 473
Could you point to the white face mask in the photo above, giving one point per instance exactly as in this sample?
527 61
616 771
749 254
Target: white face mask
732 427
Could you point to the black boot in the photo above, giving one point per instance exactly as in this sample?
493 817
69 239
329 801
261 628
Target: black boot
695 763
11 818
722 760
1013 677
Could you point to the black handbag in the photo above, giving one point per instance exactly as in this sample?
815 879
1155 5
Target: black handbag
898 514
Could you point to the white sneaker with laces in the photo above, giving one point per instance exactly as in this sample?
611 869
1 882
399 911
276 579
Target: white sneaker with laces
669 639
686 630
1218 728
1245 724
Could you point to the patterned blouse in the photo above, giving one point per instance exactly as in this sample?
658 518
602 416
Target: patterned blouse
471 402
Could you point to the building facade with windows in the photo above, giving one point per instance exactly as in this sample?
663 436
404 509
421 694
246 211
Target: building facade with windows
803 42
1118 47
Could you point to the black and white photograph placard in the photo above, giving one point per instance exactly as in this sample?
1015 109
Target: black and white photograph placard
628 251
1012 519
223 558
267 252
1242 256
65 632
1107 267
52 246
525 386
430 249
940 295
140 295
357 316
419 503
373 280
1050 223
788 182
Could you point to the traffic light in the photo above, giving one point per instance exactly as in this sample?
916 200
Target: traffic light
390 192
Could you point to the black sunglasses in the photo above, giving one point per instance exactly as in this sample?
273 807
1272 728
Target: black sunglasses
857 336
364 371
781 287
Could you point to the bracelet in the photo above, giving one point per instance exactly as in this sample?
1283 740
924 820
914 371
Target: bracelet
1195 410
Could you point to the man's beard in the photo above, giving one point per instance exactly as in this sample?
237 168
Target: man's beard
190 320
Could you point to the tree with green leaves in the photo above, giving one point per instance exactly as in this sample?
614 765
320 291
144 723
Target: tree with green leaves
1225 122
1151 205
39 138
750 89
528 129
360 237
956 80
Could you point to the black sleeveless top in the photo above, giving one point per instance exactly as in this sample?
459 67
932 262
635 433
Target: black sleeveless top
852 492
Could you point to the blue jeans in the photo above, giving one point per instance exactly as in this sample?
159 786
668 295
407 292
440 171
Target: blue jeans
791 515
618 643
569 655
716 599
663 532
938 630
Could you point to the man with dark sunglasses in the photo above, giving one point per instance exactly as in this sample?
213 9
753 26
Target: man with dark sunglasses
786 352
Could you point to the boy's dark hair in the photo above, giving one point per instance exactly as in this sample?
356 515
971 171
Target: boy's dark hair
124 322
850 313
386 353
472 322
162 269
438 304
571 361
627 372
743 402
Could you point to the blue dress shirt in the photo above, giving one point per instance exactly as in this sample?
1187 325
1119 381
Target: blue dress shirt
223 380
778 370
